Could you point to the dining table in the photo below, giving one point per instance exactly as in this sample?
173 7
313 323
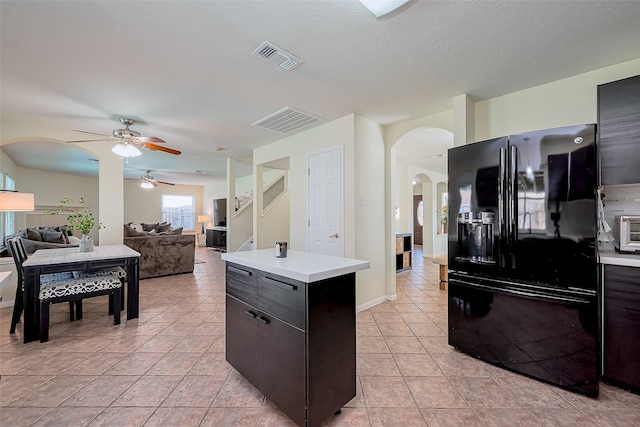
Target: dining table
45 261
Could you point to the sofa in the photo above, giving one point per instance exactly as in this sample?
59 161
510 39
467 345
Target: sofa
161 253
35 238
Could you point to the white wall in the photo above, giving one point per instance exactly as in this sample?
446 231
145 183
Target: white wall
564 102
363 157
369 211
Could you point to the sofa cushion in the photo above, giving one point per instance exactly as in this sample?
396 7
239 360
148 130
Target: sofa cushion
65 232
165 226
130 232
52 236
175 231
149 227
34 234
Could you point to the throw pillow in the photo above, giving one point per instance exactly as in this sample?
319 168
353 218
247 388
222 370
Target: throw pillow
164 227
65 233
74 240
176 230
34 234
130 232
149 227
52 236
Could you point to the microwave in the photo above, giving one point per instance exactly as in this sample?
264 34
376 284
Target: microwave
629 229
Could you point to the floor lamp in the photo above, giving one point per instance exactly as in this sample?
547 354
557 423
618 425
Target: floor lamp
202 219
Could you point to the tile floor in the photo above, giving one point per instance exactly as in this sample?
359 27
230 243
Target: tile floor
168 368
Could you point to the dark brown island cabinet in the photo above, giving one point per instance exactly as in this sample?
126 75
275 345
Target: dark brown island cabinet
294 340
619 131
621 326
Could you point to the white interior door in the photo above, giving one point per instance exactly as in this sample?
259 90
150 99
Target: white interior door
325 210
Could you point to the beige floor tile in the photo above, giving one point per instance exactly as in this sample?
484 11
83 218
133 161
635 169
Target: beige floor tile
417 365
483 392
435 392
148 391
14 387
21 416
377 365
123 416
68 417
404 345
236 392
137 363
175 364
387 392
382 417
101 392
183 394
54 391
231 417
371 345
176 417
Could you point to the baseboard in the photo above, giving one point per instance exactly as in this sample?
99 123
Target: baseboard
4 304
375 302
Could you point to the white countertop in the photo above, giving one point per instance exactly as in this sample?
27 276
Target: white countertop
609 255
298 265
68 255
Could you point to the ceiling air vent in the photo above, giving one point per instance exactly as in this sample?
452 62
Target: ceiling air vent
280 57
286 120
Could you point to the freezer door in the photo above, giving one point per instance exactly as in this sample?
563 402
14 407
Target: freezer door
552 189
476 208
548 336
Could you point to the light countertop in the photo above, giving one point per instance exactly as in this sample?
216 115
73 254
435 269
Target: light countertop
609 255
298 265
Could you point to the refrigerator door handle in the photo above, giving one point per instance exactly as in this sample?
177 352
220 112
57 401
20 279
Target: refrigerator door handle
502 214
512 201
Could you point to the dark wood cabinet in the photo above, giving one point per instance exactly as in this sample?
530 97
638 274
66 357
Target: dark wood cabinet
216 239
619 131
294 341
621 326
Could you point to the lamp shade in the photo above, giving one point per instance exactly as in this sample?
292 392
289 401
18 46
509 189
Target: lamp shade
203 218
12 201
126 150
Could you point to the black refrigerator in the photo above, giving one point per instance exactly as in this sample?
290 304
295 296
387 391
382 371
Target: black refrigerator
523 280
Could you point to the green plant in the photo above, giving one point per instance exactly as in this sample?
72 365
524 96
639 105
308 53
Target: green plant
80 218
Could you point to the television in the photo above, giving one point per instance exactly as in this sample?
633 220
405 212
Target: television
220 212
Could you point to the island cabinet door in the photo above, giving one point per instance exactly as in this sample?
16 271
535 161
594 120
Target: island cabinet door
242 339
281 366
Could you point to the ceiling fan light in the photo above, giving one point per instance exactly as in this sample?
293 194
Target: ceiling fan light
126 150
381 8
147 185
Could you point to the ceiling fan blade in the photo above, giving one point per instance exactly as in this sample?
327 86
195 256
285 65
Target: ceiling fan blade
150 146
91 133
143 139
87 140
164 182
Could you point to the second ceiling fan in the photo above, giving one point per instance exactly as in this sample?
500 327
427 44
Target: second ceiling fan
148 182
129 140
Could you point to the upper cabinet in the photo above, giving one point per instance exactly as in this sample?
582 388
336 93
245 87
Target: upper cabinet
619 131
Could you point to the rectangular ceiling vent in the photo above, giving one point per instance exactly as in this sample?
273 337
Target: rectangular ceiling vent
280 57
286 120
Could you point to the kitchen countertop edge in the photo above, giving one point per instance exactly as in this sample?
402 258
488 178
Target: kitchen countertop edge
609 256
298 265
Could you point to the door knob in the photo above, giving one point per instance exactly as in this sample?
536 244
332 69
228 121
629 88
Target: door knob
334 236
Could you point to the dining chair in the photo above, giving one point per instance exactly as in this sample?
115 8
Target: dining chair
19 254
75 289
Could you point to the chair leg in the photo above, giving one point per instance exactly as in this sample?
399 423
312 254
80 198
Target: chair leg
122 294
18 307
110 304
116 303
79 309
71 315
44 321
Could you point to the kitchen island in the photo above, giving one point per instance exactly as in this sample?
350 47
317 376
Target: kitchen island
290 329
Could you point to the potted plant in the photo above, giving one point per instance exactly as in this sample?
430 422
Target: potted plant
443 219
80 219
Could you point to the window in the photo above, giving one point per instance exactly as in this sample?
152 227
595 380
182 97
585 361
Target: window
179 211
7 219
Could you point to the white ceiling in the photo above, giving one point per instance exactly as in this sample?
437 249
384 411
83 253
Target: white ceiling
185 68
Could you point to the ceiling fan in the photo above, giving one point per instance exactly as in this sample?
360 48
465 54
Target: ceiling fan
129 140
148 182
